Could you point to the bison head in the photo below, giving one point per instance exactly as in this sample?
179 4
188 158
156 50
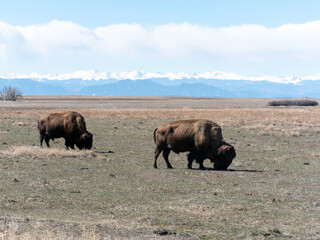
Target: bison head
85 141
226 153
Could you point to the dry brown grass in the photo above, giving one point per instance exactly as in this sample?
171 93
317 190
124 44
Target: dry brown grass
38 152
270 191
229 115
20 124
281 121
243 113
12 231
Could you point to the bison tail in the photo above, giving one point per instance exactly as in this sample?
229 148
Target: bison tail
154 135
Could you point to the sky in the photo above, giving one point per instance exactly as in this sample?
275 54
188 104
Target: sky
249 37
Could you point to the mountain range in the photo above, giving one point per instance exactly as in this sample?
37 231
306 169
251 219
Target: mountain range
164 85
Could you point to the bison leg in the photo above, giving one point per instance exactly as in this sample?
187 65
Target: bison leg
201 165
190 159
156 155
69 144
41 139
47 139
165 155
200 158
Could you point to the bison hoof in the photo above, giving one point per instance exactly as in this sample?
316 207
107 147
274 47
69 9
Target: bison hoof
170 167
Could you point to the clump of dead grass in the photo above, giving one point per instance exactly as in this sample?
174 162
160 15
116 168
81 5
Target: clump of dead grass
13 231
21 124
282 132
38 152
283 128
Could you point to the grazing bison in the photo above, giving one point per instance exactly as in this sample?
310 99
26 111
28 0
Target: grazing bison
202 138
69 125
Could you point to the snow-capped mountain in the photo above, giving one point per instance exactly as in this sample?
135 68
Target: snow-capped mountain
141 83
142 75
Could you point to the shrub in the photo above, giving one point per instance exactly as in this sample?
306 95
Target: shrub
10 93
293 103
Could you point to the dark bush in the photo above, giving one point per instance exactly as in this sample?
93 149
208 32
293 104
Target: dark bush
293 103
10 93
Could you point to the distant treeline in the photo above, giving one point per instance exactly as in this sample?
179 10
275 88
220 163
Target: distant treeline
293 103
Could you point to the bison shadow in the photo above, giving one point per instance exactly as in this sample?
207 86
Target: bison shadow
228 170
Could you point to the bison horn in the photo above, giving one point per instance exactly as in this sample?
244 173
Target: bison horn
223 149
83 136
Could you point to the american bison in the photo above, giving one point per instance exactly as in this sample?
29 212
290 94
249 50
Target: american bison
69 125
202 138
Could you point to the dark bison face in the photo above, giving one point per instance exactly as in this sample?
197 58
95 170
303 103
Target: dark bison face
226 153
85 141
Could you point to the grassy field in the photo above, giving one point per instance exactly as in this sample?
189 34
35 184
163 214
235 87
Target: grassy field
270 191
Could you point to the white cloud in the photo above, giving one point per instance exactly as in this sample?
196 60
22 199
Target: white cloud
66 42
56 36
122 40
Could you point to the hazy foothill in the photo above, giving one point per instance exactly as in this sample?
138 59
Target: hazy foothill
113 192
136 83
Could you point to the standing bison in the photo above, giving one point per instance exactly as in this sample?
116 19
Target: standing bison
202 138
69 125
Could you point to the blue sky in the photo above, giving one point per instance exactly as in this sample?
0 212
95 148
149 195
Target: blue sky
269 13
265 37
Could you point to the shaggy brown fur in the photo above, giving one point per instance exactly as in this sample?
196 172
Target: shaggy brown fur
202 138
69 125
